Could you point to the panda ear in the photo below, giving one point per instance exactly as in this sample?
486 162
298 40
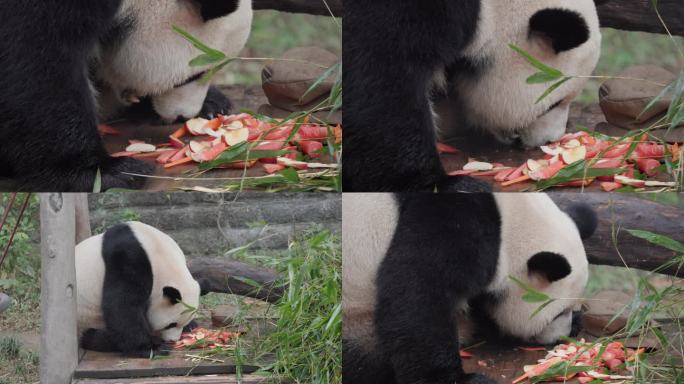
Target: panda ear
584 217
173 295
550 266
565 29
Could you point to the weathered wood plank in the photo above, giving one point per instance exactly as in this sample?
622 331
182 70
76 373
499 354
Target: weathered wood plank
639 15
96 365
59 345
213 379
618 212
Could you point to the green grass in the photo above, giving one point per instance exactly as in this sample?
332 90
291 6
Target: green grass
17 365
303 341
273 33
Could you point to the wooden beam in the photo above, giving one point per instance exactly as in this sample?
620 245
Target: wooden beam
224 276
59 340
314 7
213 379
639 15
618 212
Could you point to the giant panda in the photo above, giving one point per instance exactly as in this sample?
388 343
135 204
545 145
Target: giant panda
134 290
400 54
425 272
49 57
145 57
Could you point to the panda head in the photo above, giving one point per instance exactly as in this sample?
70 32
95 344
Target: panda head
491 92
541 246
172 309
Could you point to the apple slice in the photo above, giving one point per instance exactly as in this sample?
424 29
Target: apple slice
533 165
199 146
273 168
570 144
141 148
235 137
292 163
478 166
629 181
196 126
574 155
552 150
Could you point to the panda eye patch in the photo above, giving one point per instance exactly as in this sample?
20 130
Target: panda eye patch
551 266
172 325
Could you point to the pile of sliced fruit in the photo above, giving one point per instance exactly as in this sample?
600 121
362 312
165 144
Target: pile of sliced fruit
579 159
240 142
584 362
205 338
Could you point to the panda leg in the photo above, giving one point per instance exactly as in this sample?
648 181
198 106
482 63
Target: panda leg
216 103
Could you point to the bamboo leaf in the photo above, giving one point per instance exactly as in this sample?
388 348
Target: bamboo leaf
660 240
557 74
198 44
552 88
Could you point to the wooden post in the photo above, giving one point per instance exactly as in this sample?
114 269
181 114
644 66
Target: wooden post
82 217
59 339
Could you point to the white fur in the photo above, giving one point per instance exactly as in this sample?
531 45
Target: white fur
500 101
531 223
154 59
168 269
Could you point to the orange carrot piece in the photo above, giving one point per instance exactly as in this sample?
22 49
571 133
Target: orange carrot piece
179 162
181 132
516 181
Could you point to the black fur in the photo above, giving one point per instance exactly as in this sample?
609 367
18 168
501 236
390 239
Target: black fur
392 50
125 297
551 266
584 217
445 249
566 29
213 9
48 125
215 104
172 294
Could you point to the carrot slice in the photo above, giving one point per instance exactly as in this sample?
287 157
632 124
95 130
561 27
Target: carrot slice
515 181
181 132
178 162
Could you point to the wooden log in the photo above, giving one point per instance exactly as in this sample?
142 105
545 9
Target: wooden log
619 212
314 7
631 15
225 276
639 15
59 340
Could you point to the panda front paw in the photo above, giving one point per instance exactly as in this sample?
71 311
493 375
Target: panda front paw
119 173
475 378
216 103
462 184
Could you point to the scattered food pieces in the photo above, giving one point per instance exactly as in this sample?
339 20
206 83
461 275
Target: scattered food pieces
584 362
205 338
239 142
579 159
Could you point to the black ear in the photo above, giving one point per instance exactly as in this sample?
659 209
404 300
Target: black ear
565 28
213 9
584 217
549 265
173 295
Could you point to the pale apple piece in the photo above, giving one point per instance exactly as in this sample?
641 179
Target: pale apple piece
629 181
478 166
237 124
236 137
196 126
217 133
552 151
141 148
199 146
571 144
292 163
533 165
574 155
